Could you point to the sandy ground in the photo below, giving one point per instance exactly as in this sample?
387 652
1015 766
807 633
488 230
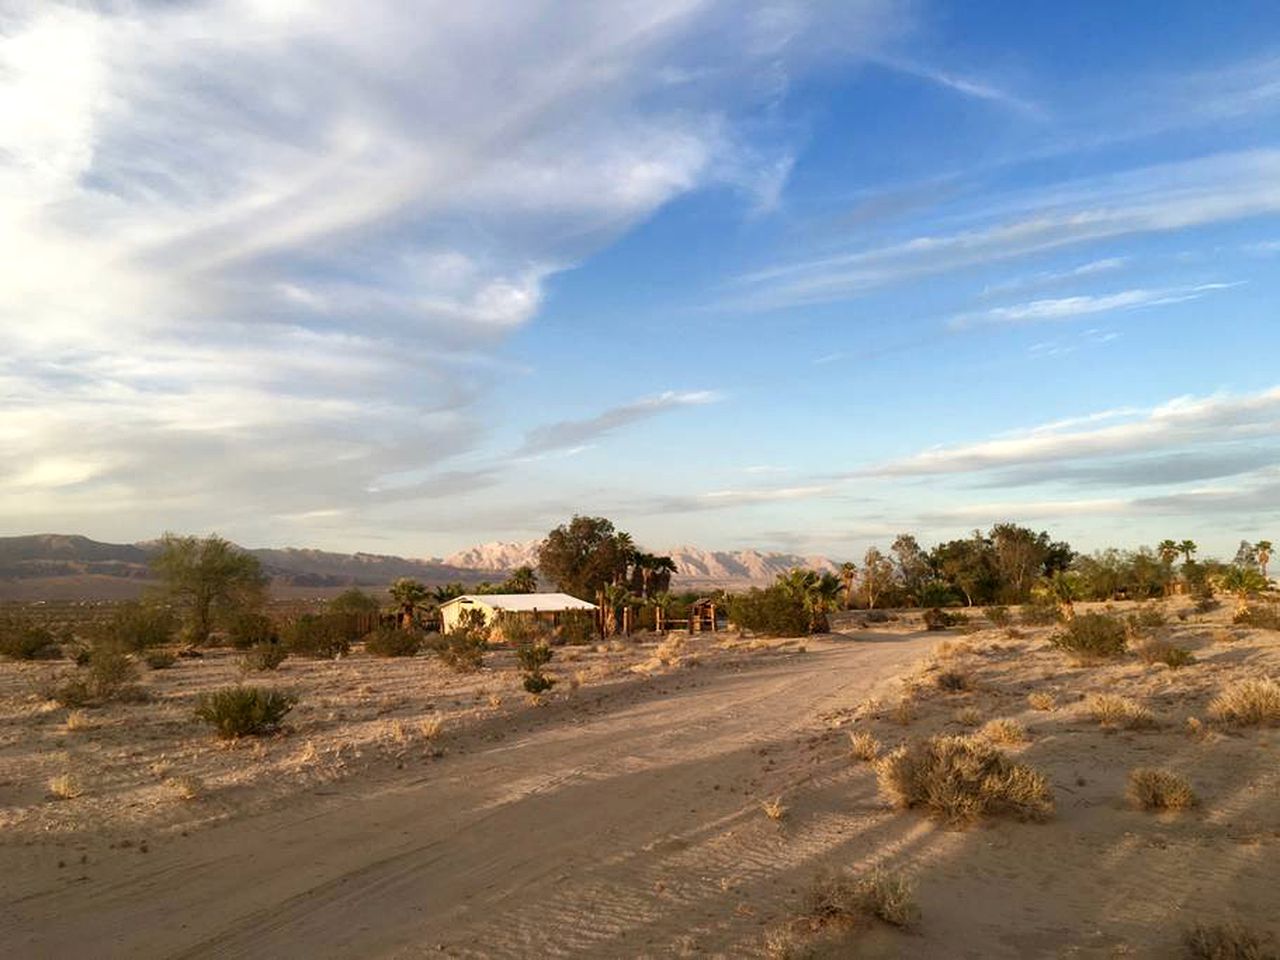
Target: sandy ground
623 818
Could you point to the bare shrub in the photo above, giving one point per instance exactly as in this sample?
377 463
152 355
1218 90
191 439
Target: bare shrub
1003 730
959 780
845 899
1112 710
184 788
952 681
1151 789
998 616
1092 636
969 716
236 712
431 727
265 656
774 809
1162 651
1248 703
1227 941
904 712
1041 701
1263 616
864 746
65 787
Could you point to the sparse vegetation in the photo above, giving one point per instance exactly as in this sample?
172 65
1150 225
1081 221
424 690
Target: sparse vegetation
264 656
462 648
27 641
863 745
250 628
1003 730
845 899
1161 651
1041 701
959 780
952 681
1151 789
65 787
389 642
1262 616
532 657
969 716
320 636
160 659
1227 941
108 675
998 616
1112 710
1248 703
774 809
241 711
1092 636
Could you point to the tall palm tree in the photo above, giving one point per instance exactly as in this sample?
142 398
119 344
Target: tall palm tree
521 580
409 595
1187 548
1168 551
1262 549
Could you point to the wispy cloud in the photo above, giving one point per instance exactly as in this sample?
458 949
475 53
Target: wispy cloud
574 433
967 86
1067 308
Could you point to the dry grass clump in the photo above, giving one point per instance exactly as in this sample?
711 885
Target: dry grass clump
79 720
431 727
959 780
904 712
969 716
864 746
1003 730
953 681
842 898
65 787
774 809
1111 710
1248 703
1152 789
1041 701
1221 941
185 788
668 651
952 648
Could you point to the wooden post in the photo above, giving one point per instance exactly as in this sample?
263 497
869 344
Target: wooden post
657 615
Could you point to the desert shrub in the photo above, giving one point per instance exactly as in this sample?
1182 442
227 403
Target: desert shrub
1151 789
1146 618
844 899
1092 636
1227 942
26 641
515 629
1248 703
320 636
968 716
65 787
1111 710
771 611
863 745
577 628
1161 651
264 656
1041 701
462 648
1206 604
938 619
109 675
353 601
236 712
937 593
248 629
998 616
532 657
160 659
1263 616
140 626
1040 613
1003 730
390 642
877 616
959 780
952 681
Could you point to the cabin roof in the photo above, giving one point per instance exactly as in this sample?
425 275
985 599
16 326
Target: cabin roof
516 602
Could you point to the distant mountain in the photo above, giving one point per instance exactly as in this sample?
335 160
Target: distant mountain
694 566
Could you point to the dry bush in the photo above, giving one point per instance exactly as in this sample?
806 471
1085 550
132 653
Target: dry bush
1003 730
1195 728
1248 703
185 788
969 716
952 648
959 780
1264 616
952 681
668 651
774 809
844 899
1224 635
1162 651
264 656
904 712
1092 636
1221 941
109 675
431 727
1041 701
864 746
79 720
1111 710
65 787
1151 789
391 642
998 616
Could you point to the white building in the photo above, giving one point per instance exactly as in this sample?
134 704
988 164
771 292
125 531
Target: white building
546 607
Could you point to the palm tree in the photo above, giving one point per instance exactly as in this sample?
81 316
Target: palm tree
1168 551
521 580
1187 548
627 553
409 595
848 570
1244 582
1262 549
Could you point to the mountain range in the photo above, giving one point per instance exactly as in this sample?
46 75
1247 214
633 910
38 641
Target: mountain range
71 566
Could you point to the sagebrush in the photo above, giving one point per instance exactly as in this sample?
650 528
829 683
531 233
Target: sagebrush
242 711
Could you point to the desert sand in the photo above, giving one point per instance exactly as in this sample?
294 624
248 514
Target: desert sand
623 817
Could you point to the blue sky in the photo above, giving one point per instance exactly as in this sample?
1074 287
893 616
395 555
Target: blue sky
788 275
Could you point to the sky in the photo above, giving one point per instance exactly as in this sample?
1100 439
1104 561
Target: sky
403 278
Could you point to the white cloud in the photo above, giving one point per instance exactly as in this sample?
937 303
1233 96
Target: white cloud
573 434
1066 308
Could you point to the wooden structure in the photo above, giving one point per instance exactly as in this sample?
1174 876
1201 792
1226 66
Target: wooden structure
702 618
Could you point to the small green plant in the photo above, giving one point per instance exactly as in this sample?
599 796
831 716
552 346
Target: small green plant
1092 636
463 648
1151 789
264 656
959 780
532 657
390 642
140 626
236 712
1227 941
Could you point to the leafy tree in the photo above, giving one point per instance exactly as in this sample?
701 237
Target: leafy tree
353 601
1244 582
912 565
585 555
968 566
209 578
877 575
448 591
1019 556
817 593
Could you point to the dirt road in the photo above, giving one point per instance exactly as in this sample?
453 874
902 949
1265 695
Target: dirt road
627 825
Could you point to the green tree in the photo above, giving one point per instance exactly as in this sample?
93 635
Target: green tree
1168 551
584 556
521 580
1019 558
968 566
1243 582
208 578
1187 548
353 601
877 575
410 596
912 565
